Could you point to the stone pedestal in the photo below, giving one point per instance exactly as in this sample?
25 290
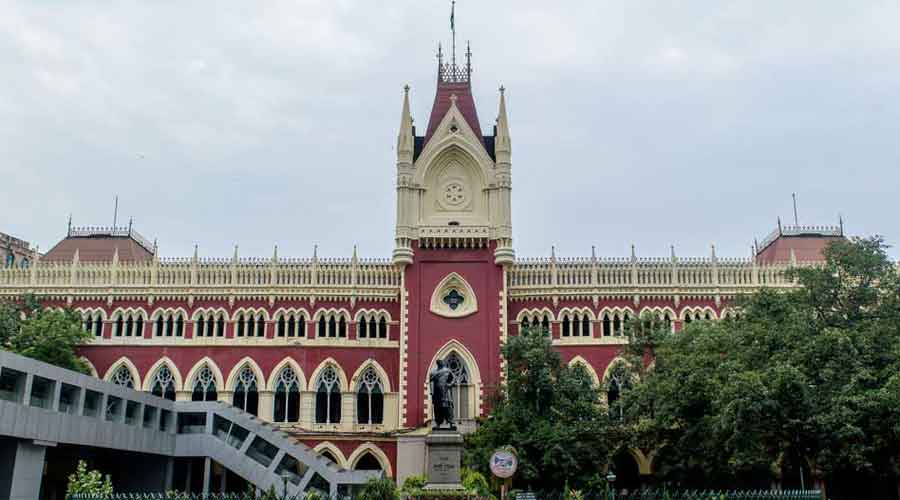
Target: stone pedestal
443 459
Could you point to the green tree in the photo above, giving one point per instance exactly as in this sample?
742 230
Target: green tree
807 376
549 412
45 334
90 484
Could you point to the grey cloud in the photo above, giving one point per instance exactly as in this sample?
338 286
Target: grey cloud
633 122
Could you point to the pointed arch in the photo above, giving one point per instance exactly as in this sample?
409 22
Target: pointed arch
345 386
578 360
332 311
252 311
213 367
281 311
528 314
215 312
231 381
151 373
450 283
123 361
287 362
90 366
612 365
453 346
369 447
701 311
334 450
382 374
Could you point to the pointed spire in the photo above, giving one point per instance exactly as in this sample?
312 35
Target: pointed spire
633 254
355 258
196 253
275 254
779 226
593 253
69 231
235 257
553 253
315 257
405 138
841 223
502 142
672 252
155 247
713 246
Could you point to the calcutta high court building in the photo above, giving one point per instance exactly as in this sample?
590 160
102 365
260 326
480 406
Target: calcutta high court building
337 351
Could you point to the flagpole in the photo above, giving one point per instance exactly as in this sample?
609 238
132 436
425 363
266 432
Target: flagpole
453 29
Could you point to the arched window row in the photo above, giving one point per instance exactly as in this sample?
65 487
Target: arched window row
249 324
332 325
128 324
92 322
209 324
372 325
575 324
535 319
613 323
291 324
698 314
169 324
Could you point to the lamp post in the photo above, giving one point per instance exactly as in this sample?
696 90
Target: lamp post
610 482
285 476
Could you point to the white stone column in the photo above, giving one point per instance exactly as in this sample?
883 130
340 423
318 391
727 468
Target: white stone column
266 406
307 408
26 473
348 411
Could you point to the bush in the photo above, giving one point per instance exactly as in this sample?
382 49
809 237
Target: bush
378 489
90 483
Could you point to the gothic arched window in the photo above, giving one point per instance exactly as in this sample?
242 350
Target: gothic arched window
246 396
607 325
368 461
328 397
382 328
585 326
616 385
363 328
459 386
566 326
204 386
287 396
122 376
163 384
370 398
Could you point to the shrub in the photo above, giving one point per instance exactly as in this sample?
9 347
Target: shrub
89 483
378 489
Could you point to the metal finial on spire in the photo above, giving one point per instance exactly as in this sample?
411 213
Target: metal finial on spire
69 231
796 220
453 30
468 59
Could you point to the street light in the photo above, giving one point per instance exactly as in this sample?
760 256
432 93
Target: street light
610 480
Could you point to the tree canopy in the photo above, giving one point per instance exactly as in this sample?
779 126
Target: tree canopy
549 413
45 334
809 376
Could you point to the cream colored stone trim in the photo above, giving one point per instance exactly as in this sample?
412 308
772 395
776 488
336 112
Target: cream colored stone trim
123 312
578 360
325 445
175 312
231 381
454 281
701 310
369 447
90 366
123 361
404 347
314 377
215 312
92 312
276 372
249 342
382 374
213 367
475 395
151 374
531 314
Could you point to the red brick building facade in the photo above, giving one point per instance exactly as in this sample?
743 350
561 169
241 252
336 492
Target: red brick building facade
338 351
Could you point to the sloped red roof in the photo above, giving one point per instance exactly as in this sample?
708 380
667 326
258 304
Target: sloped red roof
464 101
97 249
807 248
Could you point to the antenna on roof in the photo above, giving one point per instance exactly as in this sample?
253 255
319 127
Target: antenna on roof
116 213
796 221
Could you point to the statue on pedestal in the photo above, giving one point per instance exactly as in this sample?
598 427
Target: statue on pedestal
441 398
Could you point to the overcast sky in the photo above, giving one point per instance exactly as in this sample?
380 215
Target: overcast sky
256 123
